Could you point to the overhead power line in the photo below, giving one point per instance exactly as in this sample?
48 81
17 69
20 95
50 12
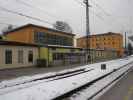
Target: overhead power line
97 15
42 10
100 8
7 24
24 15
79 2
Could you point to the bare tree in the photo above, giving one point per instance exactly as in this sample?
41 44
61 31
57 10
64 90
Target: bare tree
62 26
7 29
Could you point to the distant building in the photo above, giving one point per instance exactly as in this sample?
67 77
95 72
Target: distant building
31 33
15 54
107 41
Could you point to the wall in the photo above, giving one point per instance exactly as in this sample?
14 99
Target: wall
38 29
96 55
21 35
26 34
102 55
108 41
47 53
15 63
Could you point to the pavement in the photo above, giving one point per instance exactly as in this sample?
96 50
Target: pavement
7 74
123 90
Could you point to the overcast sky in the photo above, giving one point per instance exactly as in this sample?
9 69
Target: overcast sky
105 15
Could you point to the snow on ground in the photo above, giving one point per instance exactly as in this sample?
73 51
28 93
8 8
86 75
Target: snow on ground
42 90
25 79
52 89
92 90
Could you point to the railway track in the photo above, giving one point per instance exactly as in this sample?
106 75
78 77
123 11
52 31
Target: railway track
51 77
48 78
67 96
57 78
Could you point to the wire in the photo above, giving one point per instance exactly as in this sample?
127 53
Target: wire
98 6
32 6
7 24
24 15
90 10
79 3
102 9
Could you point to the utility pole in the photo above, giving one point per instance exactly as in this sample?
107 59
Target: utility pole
125 40
125 43
87 31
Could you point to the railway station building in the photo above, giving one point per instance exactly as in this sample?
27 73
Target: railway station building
56 47
53 47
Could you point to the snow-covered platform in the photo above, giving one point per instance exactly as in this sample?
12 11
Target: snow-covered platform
25 89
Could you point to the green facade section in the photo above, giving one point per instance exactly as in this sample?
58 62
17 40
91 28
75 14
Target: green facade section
2 37
48 53
43 53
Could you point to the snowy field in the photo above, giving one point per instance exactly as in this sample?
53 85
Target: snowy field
47 89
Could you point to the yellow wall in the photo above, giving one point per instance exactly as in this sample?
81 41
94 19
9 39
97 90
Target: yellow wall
43 53
47 53
22 35
26 34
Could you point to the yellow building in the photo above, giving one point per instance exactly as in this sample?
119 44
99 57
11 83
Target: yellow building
107 41
31 33
56 48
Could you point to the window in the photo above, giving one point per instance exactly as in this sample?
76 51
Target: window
8 56
47 38
58 56
20 56
30 57
54 49
40 37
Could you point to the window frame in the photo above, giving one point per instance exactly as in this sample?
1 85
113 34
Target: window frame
20 56
30 56
8 56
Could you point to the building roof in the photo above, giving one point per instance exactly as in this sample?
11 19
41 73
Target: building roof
60 46
14 43
33 25
72 47
103 34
